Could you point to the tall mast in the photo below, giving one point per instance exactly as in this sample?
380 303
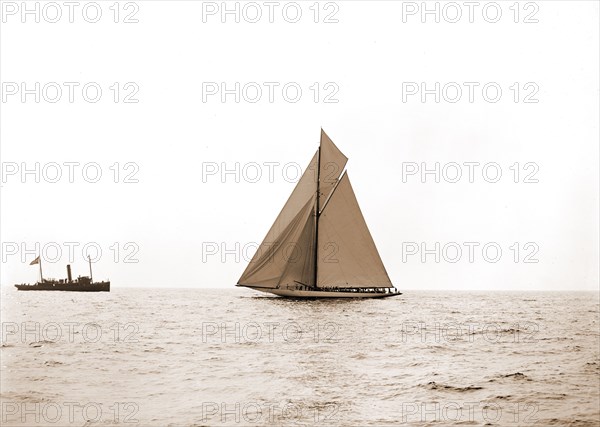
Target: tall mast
317 213
41 277
90 261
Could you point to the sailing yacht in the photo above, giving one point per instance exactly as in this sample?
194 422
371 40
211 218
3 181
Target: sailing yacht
320 245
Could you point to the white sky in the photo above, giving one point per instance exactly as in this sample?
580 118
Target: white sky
171 214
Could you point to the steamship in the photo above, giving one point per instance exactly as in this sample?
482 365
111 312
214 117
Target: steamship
81 284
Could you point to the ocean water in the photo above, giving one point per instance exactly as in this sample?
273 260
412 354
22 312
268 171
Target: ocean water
157 357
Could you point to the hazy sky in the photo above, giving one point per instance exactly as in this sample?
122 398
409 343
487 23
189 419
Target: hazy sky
187 224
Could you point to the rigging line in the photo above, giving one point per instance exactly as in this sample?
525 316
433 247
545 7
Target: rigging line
332 191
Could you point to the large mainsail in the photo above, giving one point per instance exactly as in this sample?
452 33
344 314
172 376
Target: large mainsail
348 257
320 237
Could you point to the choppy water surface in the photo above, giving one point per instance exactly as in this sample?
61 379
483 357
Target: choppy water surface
236 357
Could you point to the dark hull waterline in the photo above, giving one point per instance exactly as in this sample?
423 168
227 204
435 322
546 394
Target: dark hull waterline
317 294
67 287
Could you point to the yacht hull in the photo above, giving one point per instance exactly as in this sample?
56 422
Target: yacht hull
295 293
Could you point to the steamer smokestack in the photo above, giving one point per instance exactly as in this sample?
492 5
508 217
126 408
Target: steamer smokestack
69 273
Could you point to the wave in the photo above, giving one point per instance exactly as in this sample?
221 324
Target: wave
36 344
432 385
